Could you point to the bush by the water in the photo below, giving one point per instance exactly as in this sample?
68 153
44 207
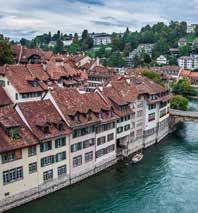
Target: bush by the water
179 102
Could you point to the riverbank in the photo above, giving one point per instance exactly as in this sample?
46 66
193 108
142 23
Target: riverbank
165 181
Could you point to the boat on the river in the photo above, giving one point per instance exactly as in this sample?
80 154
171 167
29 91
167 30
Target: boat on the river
137 158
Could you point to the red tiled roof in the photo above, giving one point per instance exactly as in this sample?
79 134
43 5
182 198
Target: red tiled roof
4 99
19 76
40 113
120 92
55 72
70 102
147 86
185 73
9 118
193 75
38 72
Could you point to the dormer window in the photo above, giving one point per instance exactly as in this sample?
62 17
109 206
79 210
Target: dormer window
77 117
13 132
45 129
60 126
34 83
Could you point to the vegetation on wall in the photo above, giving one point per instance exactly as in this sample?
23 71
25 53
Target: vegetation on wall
179 102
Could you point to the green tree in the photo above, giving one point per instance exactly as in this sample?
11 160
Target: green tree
59 47
153 76
185 50
179 102
182 87
6 56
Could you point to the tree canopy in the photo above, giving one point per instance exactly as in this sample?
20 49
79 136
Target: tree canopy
179 102
6 56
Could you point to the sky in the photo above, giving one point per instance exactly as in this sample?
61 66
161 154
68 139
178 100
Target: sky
28 18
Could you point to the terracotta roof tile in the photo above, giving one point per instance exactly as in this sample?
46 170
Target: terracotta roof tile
9 118
38 72
71 102
20 78
41 113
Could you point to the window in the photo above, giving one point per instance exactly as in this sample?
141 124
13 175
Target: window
151 117
83 131
151 106
140 113
140 104
110 137
8 157
120 120
60 156
105 151
105 127
126 127
47 161
12 175
31 95
149 132
46 146
2 83
31 151
88 143
62 171
32 167
48 175
76 147
127 117
77 161
60 142
88 157
119 129
101 140
16 97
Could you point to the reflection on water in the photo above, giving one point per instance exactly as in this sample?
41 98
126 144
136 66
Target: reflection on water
166 181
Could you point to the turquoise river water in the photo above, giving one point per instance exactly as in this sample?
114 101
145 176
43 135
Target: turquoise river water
165 181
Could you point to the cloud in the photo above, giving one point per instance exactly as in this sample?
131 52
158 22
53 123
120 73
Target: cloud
22 18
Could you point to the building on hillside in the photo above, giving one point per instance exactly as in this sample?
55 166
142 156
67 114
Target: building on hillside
162 60
172 72
188 62
142 48
4 99
182 42
101 39
191 75
191 28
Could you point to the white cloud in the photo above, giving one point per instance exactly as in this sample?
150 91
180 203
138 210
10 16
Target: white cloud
28 18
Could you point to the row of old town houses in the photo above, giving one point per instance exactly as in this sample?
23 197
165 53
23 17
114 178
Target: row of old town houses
64 118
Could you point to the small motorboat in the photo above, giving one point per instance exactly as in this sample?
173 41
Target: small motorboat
137 158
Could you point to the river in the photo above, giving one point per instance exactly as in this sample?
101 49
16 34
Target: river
165 181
